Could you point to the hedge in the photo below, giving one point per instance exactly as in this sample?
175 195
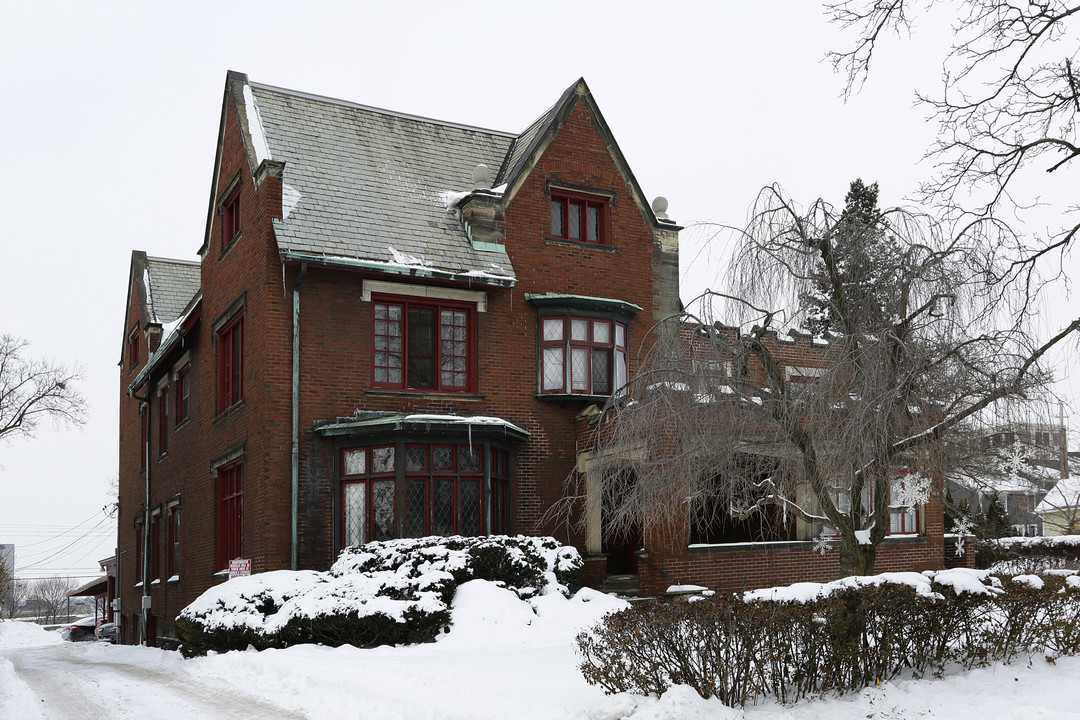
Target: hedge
383 593
841 638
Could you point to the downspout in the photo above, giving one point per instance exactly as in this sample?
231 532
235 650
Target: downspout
294 531
145 602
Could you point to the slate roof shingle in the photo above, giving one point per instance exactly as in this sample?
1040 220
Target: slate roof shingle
371 185
171 284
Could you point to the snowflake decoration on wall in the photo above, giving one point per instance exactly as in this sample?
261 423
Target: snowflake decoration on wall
962 528
912 492
822 545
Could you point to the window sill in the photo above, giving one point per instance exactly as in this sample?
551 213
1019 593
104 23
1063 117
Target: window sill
232 409
174 580
227 248
594 399
425 394
563 242
163 456
183 423
155 583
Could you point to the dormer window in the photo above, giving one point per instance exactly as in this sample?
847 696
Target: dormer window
580 217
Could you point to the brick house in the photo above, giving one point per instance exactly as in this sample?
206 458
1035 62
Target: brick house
395 327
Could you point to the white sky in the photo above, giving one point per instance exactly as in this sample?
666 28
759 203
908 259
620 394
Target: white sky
111 113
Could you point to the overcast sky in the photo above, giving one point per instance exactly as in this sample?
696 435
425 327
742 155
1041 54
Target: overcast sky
111 115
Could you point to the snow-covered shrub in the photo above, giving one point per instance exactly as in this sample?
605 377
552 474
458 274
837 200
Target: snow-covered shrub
811 638
1015 555
382 593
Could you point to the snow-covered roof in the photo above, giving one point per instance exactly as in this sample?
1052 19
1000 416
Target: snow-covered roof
1066 494
378 422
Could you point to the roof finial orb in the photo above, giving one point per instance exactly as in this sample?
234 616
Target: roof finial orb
481 177
659 206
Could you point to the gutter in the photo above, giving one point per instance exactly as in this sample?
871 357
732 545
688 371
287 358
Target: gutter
295 460
403 270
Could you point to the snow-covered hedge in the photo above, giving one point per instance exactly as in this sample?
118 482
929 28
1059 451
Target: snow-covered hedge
1028 554
811 638
382 593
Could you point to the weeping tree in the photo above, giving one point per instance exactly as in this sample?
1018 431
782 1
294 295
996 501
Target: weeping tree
918 339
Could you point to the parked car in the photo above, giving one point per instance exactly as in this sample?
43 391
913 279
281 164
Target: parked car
107 632
81 629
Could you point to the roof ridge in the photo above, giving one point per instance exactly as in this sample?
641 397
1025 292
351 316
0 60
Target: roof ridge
174 261
372 108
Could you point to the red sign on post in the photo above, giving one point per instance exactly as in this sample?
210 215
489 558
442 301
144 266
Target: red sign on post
239 567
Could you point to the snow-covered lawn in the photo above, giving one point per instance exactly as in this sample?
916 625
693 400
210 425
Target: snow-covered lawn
504 658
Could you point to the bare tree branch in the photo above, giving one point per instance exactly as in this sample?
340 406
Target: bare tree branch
35 388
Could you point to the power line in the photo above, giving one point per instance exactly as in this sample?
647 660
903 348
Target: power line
64 549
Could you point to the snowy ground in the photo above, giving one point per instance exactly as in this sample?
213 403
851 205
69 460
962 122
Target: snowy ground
503 659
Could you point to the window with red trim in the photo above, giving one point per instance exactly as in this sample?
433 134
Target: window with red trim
423 346
230 218
155 546
163 420
230 357
582 355
367 495
230 513
580 217
183 393
174 541
443 490
133 347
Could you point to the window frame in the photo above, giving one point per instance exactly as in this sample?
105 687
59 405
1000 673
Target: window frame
229 537
439 306
155 546
230 217
163 420
230 362
618 359
579 203
183 393
173 544
133 348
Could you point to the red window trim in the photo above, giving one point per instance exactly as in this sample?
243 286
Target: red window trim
230 512
140 542
144 434
567 344
183 393
230 217
155 546
163 420
230 362
568 202
174 541
133 348
405 303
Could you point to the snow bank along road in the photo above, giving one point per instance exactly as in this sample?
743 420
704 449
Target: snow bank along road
77 681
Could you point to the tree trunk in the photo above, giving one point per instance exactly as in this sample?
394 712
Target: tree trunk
856 559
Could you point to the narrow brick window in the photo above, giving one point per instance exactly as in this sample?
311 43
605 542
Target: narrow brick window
230 218
155 546
174 542
580 217
230 356
230 513
163 420
133 348
144 434
183 393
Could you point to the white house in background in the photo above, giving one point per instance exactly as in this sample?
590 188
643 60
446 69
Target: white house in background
1060 509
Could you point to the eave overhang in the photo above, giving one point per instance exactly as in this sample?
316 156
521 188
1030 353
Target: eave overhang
373 424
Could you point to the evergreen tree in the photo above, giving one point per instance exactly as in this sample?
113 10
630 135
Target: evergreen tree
864 256
995 523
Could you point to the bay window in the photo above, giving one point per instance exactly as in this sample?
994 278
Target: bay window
582 355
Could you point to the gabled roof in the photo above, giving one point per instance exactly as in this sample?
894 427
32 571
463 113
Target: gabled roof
371 187
170 284
1064 497
376 189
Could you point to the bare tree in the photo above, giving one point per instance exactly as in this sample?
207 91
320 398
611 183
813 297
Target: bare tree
34 388
49 597
1008 107
13 597
716 421
1061 507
